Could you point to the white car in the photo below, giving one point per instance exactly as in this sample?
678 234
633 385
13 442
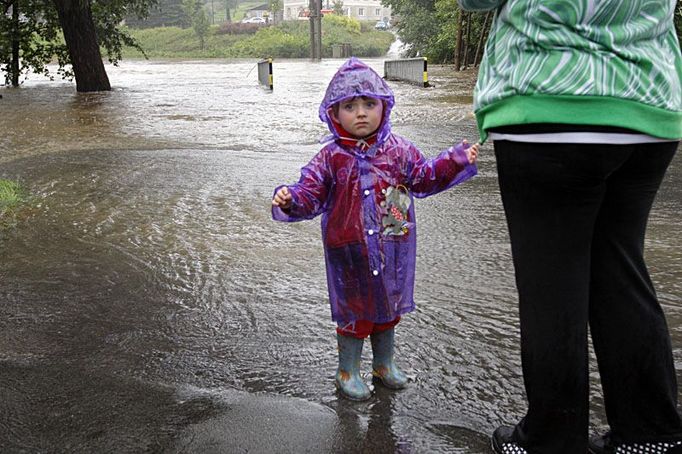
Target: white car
254 20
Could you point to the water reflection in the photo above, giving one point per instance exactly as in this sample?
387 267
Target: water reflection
148 283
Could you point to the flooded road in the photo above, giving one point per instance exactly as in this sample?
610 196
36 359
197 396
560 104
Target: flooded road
148 303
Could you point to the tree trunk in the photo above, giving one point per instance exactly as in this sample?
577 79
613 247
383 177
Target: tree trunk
14 66
465 60
482 39
75 17
458 47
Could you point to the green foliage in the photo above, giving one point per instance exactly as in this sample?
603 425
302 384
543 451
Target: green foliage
176 42
108 15
370 44
417 26
237 28
39 37
14 204
338 7
289 39
276 6
348 24
429 28
41 41
272 42
165 13
441 46
194 9
11 194
295 27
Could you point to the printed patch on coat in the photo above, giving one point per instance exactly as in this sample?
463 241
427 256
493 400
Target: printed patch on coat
396 208
342 175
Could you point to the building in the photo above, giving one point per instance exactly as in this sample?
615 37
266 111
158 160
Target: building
262 12
258 11
364 10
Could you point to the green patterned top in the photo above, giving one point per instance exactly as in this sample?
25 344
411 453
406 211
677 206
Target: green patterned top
586 62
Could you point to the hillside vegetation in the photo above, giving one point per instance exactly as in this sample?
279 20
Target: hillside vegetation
289 39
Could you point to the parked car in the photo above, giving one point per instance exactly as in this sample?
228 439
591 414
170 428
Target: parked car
381 25
254 20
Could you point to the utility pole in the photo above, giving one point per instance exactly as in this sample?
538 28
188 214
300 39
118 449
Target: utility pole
314 7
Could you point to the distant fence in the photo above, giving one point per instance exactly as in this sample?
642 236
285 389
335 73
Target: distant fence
344 50
413 70
265 73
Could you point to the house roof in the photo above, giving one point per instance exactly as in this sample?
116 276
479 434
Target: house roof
262 7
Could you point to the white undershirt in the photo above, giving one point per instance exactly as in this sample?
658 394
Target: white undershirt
611 138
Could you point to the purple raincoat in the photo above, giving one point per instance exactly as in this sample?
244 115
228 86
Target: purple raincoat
366 202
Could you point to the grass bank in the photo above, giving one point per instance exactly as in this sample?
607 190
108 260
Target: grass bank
286 40
12 195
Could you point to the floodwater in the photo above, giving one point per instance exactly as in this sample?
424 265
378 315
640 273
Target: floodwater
148 303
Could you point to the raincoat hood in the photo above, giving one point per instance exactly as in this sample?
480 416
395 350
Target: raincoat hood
353 79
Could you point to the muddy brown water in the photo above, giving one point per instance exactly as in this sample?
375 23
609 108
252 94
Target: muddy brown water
149 303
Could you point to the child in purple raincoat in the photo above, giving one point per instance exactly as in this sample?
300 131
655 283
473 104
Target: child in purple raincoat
362 183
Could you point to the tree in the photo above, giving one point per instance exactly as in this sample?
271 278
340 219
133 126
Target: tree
487 21
459 47
16 33
84 25
194 9
201 26
417 26
75 18
338 7
28 39
234 4
436 29
275 8
164 13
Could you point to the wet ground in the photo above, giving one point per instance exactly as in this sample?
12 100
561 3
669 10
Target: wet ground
149 303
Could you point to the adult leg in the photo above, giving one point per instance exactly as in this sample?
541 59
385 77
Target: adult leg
552 195
628 327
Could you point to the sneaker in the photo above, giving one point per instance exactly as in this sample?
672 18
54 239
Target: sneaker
503 443
603 445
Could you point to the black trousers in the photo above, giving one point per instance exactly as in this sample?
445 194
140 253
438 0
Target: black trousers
577 216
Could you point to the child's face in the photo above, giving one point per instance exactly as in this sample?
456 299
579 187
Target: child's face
360 116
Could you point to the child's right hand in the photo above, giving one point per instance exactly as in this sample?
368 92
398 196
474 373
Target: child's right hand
282 198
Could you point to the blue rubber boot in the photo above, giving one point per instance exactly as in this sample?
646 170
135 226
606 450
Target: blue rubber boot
348 379
383 365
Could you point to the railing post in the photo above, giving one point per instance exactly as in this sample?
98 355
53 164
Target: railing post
265 73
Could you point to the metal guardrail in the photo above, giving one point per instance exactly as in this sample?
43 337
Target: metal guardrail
413 70
265 73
